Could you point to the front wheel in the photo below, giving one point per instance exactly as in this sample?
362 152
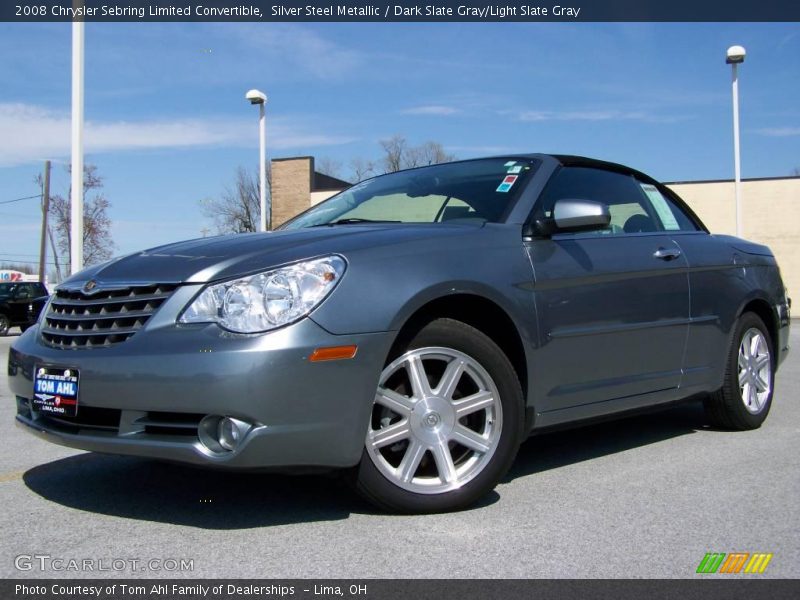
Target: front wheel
446 422
5 325
745 398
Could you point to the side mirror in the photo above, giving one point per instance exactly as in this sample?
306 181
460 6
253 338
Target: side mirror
580 215
570 215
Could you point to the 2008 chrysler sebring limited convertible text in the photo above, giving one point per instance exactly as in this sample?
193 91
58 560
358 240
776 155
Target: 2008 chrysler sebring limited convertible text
413 329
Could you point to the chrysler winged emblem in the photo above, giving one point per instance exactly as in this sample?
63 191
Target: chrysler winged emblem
89 286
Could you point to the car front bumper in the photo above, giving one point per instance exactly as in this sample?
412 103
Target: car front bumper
148 396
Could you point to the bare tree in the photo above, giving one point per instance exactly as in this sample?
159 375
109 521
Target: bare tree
361 169
429 153
394 153
399 155
328 166
98 245
22 268
238 208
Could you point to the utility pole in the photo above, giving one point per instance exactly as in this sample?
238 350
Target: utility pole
45 212
55 254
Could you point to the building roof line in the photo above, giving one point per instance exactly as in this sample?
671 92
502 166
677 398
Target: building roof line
731 180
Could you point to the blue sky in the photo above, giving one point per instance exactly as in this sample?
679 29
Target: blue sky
167 123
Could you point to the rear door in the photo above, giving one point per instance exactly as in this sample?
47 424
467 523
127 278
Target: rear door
613 306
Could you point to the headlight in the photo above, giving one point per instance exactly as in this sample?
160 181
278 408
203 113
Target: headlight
266 300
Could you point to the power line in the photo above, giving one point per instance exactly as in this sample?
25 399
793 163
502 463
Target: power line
20 199
11 261
5 214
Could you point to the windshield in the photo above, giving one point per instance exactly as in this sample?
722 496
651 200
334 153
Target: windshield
474 190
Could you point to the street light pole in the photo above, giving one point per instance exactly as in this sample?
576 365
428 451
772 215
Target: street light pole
262 168
76 201
735 56
260 98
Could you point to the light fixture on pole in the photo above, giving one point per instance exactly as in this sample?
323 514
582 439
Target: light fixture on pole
260 98
735 56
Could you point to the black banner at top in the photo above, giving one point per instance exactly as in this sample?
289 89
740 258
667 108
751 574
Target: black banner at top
398 10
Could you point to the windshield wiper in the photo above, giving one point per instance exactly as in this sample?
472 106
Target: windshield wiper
352 221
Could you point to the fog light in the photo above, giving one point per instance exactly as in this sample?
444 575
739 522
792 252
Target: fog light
230 432
220 435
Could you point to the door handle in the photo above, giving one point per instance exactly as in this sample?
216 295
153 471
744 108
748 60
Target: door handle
667 253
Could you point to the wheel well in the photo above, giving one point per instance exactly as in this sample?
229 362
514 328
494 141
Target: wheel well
764 311
478 312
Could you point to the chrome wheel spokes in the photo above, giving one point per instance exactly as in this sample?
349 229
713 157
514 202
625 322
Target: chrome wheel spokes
436 420
755 370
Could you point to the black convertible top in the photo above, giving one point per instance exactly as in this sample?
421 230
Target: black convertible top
569 160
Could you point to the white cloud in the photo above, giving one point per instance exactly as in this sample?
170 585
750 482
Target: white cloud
30 133
298 47
433 109
779 131
596 115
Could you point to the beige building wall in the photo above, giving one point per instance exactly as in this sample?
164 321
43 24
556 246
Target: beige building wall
291 187
296 186
317 197
770 215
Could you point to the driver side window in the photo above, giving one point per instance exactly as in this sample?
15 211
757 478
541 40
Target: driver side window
626 203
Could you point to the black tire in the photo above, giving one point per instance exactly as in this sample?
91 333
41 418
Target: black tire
377 487
24 328
5 325
726 408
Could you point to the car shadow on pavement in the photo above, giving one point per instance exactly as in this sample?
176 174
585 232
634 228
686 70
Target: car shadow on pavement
569 446
148 490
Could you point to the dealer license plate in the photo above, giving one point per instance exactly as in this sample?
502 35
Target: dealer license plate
55 391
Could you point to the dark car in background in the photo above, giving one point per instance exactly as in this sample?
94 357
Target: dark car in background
411 330
20 304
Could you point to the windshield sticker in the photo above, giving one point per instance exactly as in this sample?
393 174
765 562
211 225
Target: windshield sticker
516 169
510 163
662 209
507 183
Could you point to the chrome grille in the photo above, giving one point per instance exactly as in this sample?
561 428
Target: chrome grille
103 318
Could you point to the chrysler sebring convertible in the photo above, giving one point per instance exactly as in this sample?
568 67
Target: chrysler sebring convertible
412 330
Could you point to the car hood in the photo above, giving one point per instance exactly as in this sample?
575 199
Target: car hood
208 259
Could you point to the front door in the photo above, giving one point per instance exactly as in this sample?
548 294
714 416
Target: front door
613 305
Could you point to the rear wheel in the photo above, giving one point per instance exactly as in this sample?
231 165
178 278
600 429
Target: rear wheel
446 422
745 398
5 325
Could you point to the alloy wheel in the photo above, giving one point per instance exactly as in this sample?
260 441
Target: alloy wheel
755 370
436 420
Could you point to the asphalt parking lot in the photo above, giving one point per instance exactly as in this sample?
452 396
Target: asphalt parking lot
647 496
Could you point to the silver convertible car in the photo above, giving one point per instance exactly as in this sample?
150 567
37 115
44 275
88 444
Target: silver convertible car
411 330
